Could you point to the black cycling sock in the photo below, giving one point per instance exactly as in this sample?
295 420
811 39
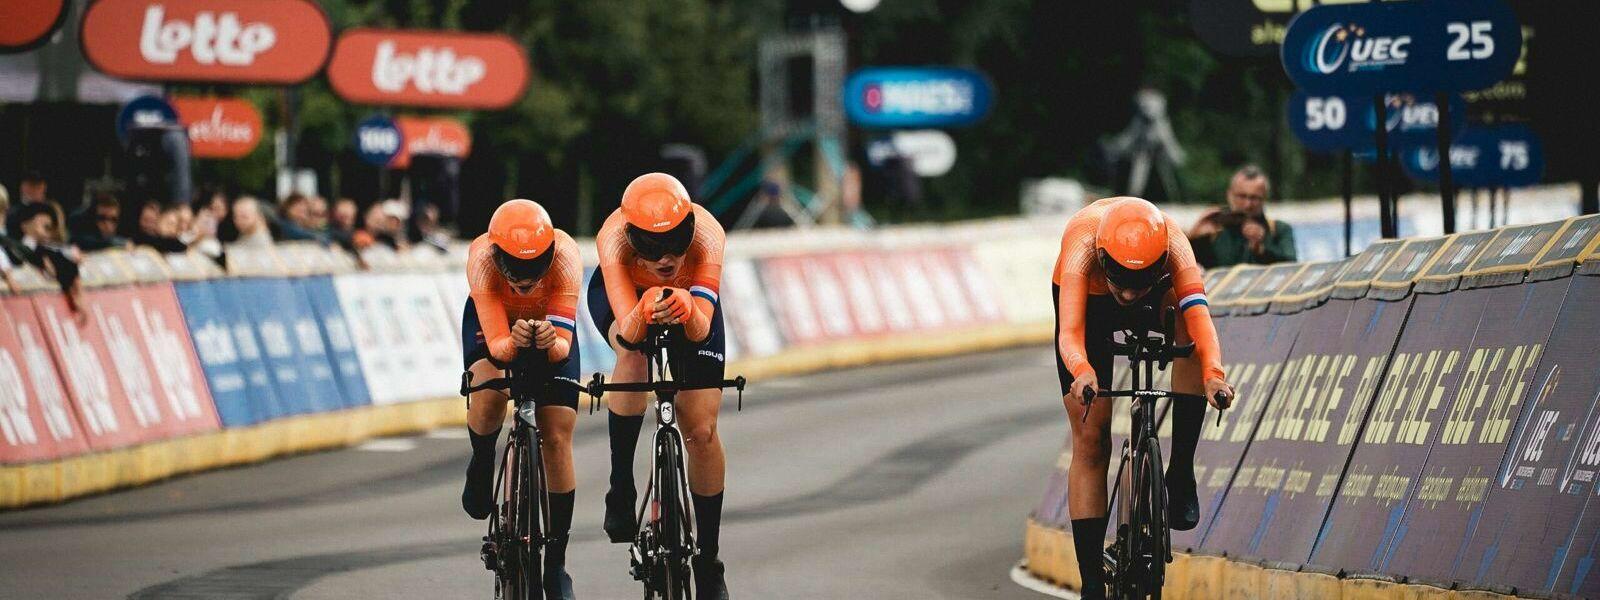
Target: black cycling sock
555 553
624 439
1089 539
708 522
477 498
1187 417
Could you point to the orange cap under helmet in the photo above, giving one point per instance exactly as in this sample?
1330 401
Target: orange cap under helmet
1132 243
656 202
522 236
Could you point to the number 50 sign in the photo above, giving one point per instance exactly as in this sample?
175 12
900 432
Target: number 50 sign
1421 46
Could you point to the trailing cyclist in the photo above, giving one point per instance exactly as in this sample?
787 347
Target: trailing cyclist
524 276
1113 253
659 241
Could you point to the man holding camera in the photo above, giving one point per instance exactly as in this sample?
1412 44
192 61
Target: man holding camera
1242 233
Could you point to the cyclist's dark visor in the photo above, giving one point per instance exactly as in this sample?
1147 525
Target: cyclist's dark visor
520 270
672 242
1132 279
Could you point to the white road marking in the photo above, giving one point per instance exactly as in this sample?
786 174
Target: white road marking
389 445
1022 577
448 433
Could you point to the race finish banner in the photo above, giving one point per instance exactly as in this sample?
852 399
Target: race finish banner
435 69
1319 401
1421 46
216 41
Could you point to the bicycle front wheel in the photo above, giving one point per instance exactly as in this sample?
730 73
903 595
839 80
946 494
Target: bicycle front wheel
523 516
674 520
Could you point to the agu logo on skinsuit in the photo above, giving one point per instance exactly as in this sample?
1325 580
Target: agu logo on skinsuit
238 41
1342 45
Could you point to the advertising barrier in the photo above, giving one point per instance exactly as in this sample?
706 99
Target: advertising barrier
36 419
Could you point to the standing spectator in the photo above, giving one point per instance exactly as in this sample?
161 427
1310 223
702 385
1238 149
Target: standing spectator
41 230
201 233
426 230
317 214
35 190
98 231
250 223
171 228
385 222
1242 233
12 252
156 232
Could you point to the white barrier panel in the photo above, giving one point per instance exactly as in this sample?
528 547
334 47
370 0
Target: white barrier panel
404 336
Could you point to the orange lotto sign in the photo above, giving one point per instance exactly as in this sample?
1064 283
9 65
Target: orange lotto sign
431 135
428 68
26 23
219 127
225 41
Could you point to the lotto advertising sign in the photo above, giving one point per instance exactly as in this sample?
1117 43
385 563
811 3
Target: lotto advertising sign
917 97
36 419
25 24
1426 45
428 68
219 41
1503 156
219 127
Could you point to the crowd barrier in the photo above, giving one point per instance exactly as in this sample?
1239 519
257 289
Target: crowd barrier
1419 420
170 365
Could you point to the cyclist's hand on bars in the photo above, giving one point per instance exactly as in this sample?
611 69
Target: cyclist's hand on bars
544 335
1214 385
673 309
522 333
1086 380
648 301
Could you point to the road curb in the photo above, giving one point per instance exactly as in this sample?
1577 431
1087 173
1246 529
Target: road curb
1049 556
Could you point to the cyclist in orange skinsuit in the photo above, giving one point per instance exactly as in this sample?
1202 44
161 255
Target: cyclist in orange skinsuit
524 276
1112 253
659 241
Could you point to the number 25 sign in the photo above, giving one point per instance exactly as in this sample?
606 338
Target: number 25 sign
1421 46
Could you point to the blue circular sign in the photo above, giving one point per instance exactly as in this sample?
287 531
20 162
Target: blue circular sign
1502 156
144 111
916 97
378 140
1421 46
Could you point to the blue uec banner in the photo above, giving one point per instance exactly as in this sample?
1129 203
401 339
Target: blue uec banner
916 97
1422 46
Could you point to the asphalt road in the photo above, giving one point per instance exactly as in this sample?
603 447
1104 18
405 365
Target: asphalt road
897 481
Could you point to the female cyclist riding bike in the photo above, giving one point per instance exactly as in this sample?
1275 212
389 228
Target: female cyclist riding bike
1113 252
524 276
659 241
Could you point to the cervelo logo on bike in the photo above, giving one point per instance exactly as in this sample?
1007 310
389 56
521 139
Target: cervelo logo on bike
207 40
1341 43
428 68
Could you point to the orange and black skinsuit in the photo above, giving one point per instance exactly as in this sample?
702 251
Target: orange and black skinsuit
493 307
1086 317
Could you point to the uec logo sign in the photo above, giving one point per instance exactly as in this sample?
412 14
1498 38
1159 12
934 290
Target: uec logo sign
1426 45
910 97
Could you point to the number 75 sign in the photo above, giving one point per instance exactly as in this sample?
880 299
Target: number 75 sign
1419 46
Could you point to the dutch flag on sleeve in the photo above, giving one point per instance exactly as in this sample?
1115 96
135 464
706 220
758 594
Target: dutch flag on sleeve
704 289
1192 297
566 319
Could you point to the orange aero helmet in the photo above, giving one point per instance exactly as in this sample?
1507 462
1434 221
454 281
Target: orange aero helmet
660 216
523 239
1131 243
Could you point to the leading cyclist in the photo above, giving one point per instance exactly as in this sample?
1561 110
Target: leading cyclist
1113 252
524 276
659 241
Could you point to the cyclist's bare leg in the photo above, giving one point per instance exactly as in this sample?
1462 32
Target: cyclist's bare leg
625 416
555 444
707 466
486 410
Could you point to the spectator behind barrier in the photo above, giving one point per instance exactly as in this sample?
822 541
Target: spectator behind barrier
250 223
341 227
95 228
425 230
295 221
384 223
1242 233
34 190
202 233
39 233
12 252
